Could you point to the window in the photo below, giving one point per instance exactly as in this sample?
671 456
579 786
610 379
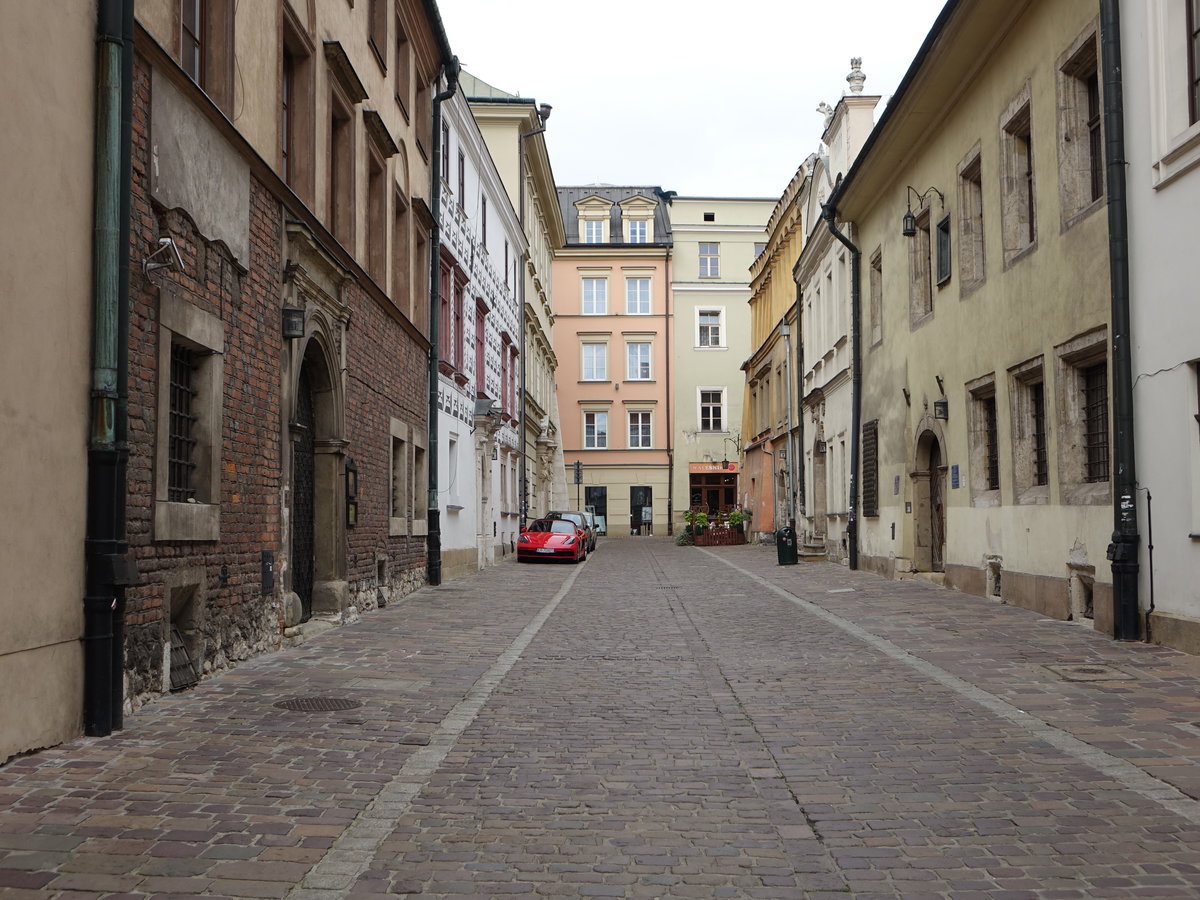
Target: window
420 478
708 327
595 362
402 488
593 232
188 442
297 159
483 222
712 410
1031 469
481 312
341 170
638 356
1018 205
637 296
595 430
943 250
206 47
595 296
637 216
402 262
870 468
403 66
984 442
637 232
1193 59
376 218
875 289
710 217
970 222
458 338
710 260
1084 443
446 152
377 23
639 430
1081 140
445 297
462 181
920 294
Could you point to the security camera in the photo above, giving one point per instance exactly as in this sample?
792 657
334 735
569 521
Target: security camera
167 256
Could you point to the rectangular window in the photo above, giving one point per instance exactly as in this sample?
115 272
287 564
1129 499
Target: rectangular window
1030 457
709 328
639 430
483 222
191 41
870 468
991 452
919 259
296 110
446 152
710 260
875 289
637 296
403 67
480 348
1018 200
445 295
399 480
712 411
377 22
462 180
458 337
638 356
1081 145
1037 409
970 223
1095 421
376 218
595 362
637 232
182 443
341 171
593 232
402 263
595 430
943 250
287 140
595 296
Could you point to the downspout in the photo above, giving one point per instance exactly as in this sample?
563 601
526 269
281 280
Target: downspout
108 566
786 330
670 423
434 538
829 214
800 474
1123 551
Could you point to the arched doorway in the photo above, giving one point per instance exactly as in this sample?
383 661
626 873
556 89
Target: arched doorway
929 505
317 513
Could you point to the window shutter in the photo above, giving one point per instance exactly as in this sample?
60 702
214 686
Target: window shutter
870 468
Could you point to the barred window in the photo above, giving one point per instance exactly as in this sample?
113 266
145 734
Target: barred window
181 428
1037 398
870 468
1095 417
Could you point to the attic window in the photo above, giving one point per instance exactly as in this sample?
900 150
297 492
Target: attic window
710 217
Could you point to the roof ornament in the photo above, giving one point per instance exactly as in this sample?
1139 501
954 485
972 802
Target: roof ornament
856 76
827 111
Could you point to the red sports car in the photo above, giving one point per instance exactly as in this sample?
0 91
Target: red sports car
552 539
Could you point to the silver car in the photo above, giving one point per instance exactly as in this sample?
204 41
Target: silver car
585 520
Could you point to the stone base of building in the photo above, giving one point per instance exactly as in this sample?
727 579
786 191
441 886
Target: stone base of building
1175 631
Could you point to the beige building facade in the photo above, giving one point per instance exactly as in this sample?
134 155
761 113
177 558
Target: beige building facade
613 338
978 207
714 242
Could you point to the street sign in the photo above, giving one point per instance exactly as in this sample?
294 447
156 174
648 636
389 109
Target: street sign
578 472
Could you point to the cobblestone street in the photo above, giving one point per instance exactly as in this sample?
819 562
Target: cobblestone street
660 721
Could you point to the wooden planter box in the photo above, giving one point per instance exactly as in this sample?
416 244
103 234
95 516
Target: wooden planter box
718 536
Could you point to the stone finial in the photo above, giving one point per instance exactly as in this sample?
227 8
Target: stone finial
856 76
827 111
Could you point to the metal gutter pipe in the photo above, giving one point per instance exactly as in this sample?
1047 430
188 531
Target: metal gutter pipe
108 566
434 538
1124 549
800 475
786 330
829 214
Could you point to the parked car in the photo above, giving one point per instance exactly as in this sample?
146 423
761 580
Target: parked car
546 539
585 520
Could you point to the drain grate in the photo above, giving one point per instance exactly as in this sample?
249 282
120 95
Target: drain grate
1089 672
317 704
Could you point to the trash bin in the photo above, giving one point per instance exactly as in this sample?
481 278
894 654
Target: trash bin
785 545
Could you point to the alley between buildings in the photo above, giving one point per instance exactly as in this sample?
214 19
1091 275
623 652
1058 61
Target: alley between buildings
659 721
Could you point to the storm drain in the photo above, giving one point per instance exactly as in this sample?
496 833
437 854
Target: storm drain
1089 672
317 704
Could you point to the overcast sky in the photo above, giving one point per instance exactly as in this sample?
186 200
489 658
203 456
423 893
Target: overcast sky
702 98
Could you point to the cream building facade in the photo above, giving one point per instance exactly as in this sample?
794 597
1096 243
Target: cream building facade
978 207
1162 143
714 242
613 338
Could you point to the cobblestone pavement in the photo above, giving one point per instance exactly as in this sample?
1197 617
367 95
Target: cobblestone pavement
659 722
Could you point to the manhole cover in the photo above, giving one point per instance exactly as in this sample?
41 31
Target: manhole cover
1089 672
317 704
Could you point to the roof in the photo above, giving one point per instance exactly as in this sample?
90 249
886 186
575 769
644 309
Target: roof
568 196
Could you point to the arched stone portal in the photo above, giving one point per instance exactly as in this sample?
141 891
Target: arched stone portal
929 504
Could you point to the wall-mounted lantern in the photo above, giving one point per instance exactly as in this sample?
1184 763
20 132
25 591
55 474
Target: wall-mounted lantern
293 322
909 227
941 409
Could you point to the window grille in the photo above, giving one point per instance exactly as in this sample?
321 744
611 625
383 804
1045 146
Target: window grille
1037 397
182 425
1095 136
1095 421
870 469
992 437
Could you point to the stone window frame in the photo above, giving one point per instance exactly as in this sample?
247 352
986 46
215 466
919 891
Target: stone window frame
972 262
213 70
1022 379
719 312
599 305
297 130
594 209
721 406
185 323
1018 178
920 264
875 298
629 424
596 412
402 486
635 358
709 259
1080 157
640 210
630 309
601 357
1072 359
982 394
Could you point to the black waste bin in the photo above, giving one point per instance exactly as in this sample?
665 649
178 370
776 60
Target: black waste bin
785 545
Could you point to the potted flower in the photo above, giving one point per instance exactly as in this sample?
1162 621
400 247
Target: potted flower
699 520
737 519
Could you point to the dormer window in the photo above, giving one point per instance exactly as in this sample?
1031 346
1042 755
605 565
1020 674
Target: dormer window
637 232
637 219
593 232
594 213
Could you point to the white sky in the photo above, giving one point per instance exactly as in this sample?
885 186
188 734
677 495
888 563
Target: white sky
681 94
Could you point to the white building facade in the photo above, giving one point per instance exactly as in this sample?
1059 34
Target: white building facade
479 455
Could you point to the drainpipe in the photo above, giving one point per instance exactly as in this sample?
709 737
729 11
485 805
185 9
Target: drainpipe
829 214
800 476
670 423
434 539
1123 551
108 565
